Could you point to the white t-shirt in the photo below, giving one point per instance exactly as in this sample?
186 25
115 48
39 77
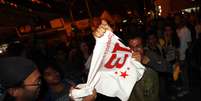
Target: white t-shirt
184 35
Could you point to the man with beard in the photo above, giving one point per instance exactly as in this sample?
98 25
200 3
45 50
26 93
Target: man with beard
20 78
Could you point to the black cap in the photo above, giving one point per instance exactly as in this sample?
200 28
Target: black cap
14 70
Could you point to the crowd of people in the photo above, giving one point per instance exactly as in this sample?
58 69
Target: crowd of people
168 47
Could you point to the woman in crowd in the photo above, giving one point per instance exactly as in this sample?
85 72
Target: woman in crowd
57 88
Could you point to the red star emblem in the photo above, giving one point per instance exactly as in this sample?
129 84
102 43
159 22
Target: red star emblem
124 74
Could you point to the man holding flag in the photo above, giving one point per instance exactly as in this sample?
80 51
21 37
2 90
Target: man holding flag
113 72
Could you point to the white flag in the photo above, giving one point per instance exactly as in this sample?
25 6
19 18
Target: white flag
113 71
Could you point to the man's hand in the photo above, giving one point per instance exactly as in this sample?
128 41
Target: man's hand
137 56
86 98
90 97
145 60
103 27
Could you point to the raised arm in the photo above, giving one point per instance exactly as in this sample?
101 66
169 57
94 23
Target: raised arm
102 28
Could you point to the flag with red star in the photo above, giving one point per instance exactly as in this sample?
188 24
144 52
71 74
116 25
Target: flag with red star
113 71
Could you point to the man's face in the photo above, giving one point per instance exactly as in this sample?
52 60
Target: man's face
152 41
136 45
135 42
30 87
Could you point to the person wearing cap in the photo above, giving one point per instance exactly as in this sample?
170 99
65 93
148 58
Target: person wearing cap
20 78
